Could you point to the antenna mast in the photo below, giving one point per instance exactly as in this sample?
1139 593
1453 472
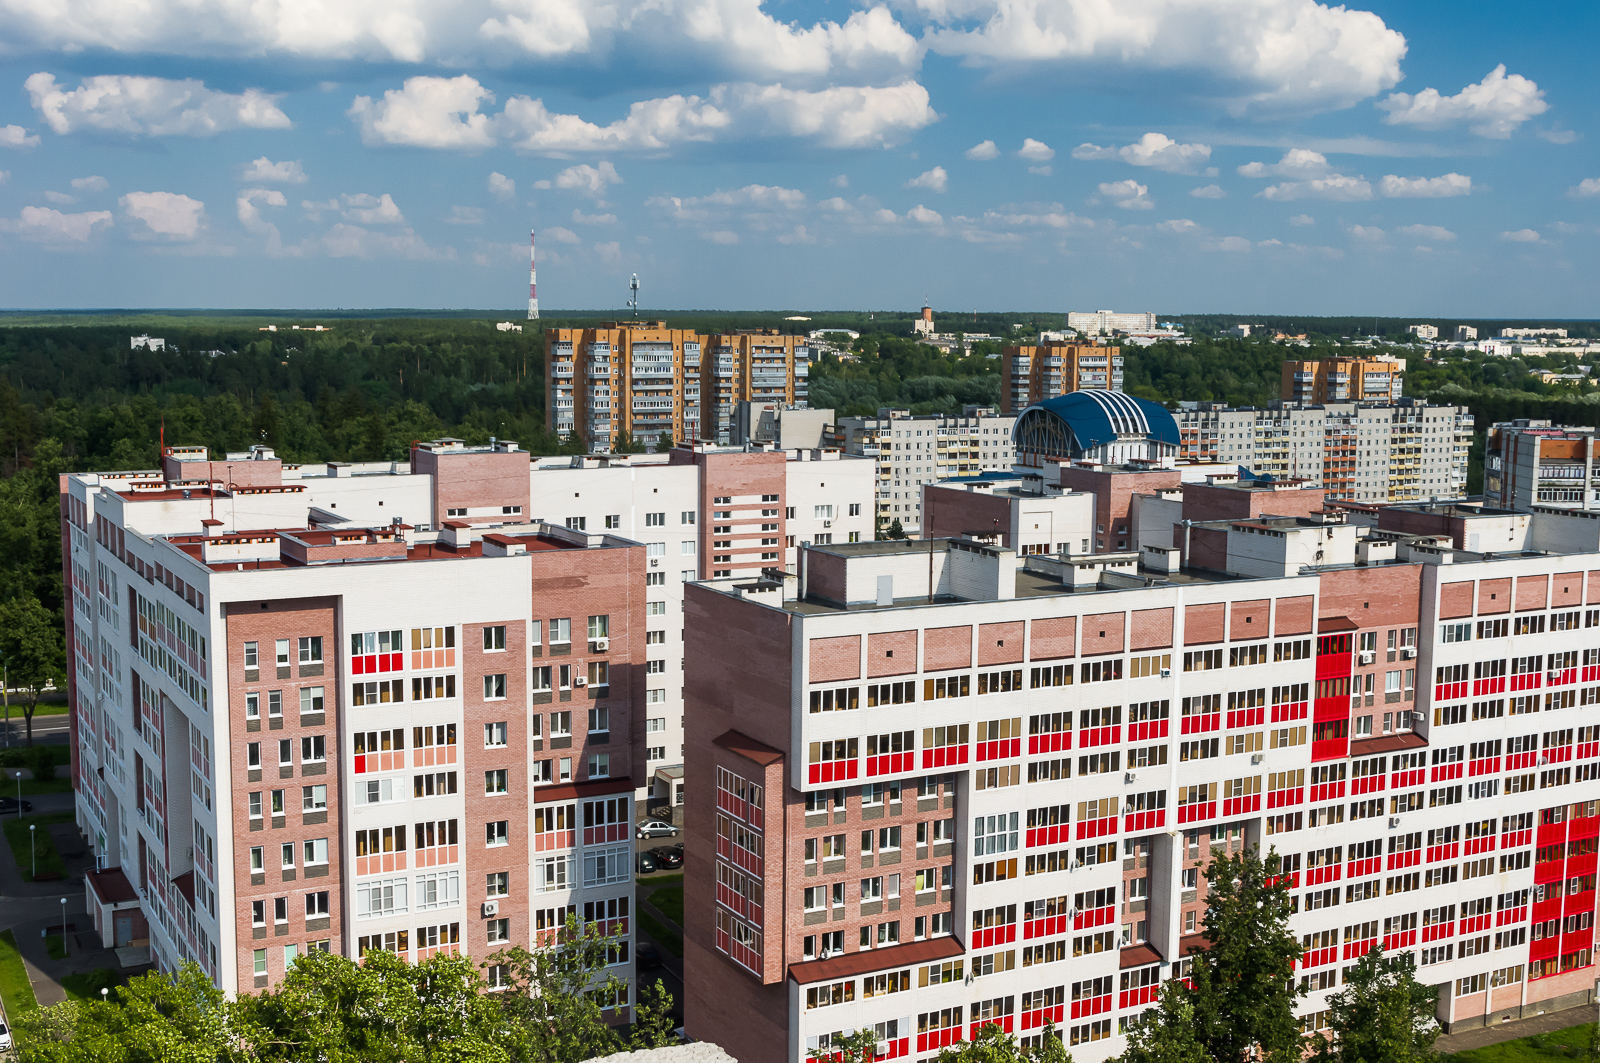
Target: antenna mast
633 296
533 279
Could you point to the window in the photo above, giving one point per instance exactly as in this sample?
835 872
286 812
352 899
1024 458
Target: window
252 755
560 632
686 517
258 858
252 706
313 798
494 782
282 648
310 700
497 833
494 638
285 751
494 687
599 765
599 721
600 674
498 884
655 520
574 523
855 509
275 703
251 656
315 852
317 903
287 859
499 930
311 650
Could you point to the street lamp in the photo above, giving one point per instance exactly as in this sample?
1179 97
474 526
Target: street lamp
19 795
63 926
33 848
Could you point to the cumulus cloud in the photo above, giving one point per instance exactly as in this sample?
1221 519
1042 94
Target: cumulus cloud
1036 216
465 216
798 235
1302 220
43 225
165 214
1177 225
935 180
924 216
15 136
1334 186
592 180
839 117
1589 186
502 187
248 205
1156 150
1208 192
651 125
580 218
1369 234
1233 243
840 181
1269 54
1494 107
1521 236
1296 162
427 112
562 236
1437 234
125 105
1035 150
60 197
355 241
90 184
1557 136
983 152
363 208
1129 194
265 171
1450 184
721 236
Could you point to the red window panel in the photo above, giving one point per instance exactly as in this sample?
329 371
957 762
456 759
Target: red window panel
1318 875
1320 953
1048 826
1149 729
1099 736
1446 772
1354 950
1495 685
1144 812
1091 997
1200 724
1008 749
1041 1017
1485 766
1330 791
1368 866
1527 681
1562 676
1369 784
1484 844
1197 812
1443 852
1004 1022
1097 819
1443 692
1476 923
1095 908
834 761
1052 742
1238 806
1438 931
996 935
1254 716
1292 710
1591 672
374 663
891 754
1410 777
927 1042
1286 798
1407 859
1402 940
1588 749
1045 917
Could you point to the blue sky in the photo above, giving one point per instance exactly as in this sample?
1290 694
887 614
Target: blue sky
1175 155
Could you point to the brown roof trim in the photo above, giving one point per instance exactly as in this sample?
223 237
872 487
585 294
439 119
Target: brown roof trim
112 886
1363 747
748 748
570 791
1193 943
1139 956
854 963
1335 623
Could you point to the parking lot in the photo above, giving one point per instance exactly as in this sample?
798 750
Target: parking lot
641 845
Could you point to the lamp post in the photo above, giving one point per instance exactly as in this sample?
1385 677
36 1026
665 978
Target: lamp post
63 926
33 848
19 795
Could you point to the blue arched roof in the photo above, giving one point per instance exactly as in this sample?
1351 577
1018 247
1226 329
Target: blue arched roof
1098 417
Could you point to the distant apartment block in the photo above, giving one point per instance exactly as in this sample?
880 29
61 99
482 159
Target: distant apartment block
1531 333
914 450
1343 380
660 385
1030 374
1104 322
1529 463
1406 451
1424 332
1466 333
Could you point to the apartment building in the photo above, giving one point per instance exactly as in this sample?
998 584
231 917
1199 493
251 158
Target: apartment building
1032 374
1343 380
1104 322
912 450
661 385
703 513
301 722
957 786
1531 463
1406 451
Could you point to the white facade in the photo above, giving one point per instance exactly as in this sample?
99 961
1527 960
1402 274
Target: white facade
912 451
1094 323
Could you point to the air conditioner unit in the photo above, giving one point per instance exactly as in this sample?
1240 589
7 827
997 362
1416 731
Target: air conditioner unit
1166 673
1555 675
1131 776
580 681
1408 652
1256 758
1367 656
1394 821
602 645
827 524
491 908
655 562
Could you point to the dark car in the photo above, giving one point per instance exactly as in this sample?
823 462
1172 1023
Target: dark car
647 956
667 858
9 804
647 863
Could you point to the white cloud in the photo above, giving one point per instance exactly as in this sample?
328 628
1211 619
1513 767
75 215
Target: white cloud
465 216
840 181
1451 184
60 198
14 136
751 200
366 209
427 112
590 179
1042 171
1278 54
1156 150
798 235
1557 136
721 236
5 175
885 216
1302 220
923 216
146 106
610 253
354 241
1035 150
51 227
1233 243
838 117
1334 186
935 180
1368 234
502 187
1178 225
983 152
1208 192
1037 216
90 184
651 125
265 171
1589 186
1521 236
1494 107
248 204
1296 162
168 214
580 218
1437 234
1129 194
562 236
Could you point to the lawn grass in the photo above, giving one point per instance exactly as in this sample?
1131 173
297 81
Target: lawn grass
16 831
15 989
669 902
1570 1043
663 934
86 985
55 947
655 882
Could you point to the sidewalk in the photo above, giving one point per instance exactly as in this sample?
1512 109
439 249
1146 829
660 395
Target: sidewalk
1549 1022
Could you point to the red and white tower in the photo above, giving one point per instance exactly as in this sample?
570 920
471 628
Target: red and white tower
533 279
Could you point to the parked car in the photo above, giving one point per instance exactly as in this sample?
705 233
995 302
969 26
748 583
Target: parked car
647 863
654 828
678 849
9 804
647 956
5 1037
667 858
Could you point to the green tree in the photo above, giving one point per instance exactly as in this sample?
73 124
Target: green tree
155 1018
1244 989
31 647
994 1045
894 531
1382 1015
1166 1032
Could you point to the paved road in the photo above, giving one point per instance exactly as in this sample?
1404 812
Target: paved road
47 730
1508 1031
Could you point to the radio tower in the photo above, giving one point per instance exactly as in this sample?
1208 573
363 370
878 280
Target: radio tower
633 296
533 279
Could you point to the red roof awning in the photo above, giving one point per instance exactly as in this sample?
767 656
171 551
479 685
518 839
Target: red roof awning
854 963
